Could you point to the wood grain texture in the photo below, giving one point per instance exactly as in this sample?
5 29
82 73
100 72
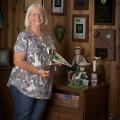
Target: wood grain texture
15 13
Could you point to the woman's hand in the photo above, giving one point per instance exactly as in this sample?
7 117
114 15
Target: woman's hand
44 73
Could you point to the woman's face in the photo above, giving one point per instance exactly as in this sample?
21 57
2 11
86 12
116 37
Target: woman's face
36 17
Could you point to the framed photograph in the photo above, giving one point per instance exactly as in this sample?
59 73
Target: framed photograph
58 7
28 2
80 28
108 16
80 4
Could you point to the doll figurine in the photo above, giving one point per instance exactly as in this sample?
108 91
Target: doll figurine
79 77
78 57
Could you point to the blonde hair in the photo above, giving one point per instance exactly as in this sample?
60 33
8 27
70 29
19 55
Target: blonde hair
29 10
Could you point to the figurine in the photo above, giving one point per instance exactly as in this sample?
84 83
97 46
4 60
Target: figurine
78 57
77 74
79 77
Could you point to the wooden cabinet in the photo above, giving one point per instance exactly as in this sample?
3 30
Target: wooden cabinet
6 108
3 24
89 103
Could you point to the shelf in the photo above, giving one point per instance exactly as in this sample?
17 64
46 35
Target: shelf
92 100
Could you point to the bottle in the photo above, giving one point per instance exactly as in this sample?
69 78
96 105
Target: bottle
96 69
94 74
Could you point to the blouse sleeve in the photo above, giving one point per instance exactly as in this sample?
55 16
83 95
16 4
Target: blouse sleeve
21 44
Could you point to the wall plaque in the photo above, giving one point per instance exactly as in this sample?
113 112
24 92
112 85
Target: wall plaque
104 12
81 4
104 43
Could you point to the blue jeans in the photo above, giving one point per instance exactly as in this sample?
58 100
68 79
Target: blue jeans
27 108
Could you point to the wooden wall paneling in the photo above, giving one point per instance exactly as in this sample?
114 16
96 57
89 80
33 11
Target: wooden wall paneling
21 16
15 23
118 72
112 75
114 91
90 51
69 31
118 52
118 66
4 26
14 20
48 10
107 67
10 27
111 79
5 45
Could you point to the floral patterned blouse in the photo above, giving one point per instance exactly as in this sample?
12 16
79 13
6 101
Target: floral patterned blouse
37 50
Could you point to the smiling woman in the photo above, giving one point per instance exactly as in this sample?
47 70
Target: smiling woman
29 81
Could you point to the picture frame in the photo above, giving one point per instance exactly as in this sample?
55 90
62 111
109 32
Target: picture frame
80 4
108 16
80 28
28 2
58 7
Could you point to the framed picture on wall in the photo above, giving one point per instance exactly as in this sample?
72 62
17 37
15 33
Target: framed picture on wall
28 2
80 4
104 12
80 28
58 7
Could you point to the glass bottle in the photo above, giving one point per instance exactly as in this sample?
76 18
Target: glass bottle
96 71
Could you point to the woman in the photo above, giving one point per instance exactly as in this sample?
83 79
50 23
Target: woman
30 84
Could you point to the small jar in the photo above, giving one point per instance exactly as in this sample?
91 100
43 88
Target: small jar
98 64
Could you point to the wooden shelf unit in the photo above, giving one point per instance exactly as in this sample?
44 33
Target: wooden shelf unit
92 104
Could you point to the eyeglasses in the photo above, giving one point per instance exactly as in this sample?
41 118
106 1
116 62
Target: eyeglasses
35 14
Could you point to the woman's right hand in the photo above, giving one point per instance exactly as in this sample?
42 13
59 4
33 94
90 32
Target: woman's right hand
44 73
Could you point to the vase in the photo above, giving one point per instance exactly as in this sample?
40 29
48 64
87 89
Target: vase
59 32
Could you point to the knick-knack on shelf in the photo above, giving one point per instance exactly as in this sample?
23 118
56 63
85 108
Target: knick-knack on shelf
59 32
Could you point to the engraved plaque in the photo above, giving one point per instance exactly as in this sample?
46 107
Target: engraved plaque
104 43
104 11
